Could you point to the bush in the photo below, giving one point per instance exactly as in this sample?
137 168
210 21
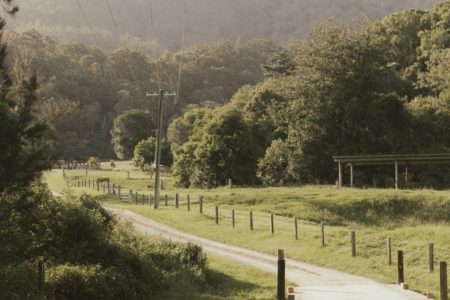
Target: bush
86 282
18 281
90 257
94 162
144 154
273 167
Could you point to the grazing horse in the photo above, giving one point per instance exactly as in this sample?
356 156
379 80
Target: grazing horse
102 179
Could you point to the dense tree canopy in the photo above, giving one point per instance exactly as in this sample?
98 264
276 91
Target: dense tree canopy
144 154
82 89
129 129
381 88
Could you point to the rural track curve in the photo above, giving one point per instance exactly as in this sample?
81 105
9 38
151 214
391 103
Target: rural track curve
315 283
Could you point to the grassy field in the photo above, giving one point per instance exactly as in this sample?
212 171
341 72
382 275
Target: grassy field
225 279
413 219
229 280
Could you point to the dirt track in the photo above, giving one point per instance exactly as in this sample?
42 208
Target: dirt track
315 283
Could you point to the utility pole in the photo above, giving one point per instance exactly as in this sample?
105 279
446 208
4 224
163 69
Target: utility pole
162 94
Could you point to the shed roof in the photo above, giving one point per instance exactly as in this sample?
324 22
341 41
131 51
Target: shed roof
392 158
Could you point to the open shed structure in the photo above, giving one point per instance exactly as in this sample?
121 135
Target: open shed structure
382 160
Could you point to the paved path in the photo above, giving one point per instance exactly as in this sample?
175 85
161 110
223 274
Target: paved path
316 283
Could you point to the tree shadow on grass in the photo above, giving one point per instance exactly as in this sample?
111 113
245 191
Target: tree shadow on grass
220 286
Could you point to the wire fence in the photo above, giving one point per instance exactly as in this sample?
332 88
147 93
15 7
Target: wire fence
256 221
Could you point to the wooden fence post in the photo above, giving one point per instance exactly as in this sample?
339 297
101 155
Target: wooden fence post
443 280
322 234
281 282
143 199
130 196
188 203
114 189
233 218
272 228
201 204
401 271
217 215
296 228
41 278
150 199
109 187
176 200
353 234
119 190
251 220
389 251
98 186
136 199
431 257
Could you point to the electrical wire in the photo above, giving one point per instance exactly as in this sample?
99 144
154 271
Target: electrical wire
153 32
181 51
108 4
113 20
86 20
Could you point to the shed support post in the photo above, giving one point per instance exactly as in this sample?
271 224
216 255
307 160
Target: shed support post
406 176
396 175
351 175
340 175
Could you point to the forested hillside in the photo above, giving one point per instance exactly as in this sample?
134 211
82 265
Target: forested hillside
137 21
381 88
82 89
378 87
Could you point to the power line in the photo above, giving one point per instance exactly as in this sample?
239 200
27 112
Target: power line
86 20
153 33
182 50
111 13
113 20
150 12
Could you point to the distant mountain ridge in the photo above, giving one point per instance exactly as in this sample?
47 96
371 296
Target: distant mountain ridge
206 21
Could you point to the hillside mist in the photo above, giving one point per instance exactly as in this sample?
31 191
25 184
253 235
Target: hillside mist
135 22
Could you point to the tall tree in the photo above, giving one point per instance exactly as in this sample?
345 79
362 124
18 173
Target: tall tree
26 145
129 129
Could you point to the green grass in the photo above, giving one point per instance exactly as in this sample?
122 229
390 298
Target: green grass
225 279
422 218
311 203
230 280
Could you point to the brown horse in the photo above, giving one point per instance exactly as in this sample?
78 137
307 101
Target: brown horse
102 179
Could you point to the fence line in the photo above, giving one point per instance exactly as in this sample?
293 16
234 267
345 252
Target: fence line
225 216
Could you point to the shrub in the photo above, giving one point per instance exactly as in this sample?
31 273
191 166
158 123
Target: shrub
144 154
273 167
90 257
86 282
94 162
18 281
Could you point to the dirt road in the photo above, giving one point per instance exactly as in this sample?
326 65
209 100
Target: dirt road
315 283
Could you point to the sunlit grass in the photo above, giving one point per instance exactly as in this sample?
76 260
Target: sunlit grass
312 204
